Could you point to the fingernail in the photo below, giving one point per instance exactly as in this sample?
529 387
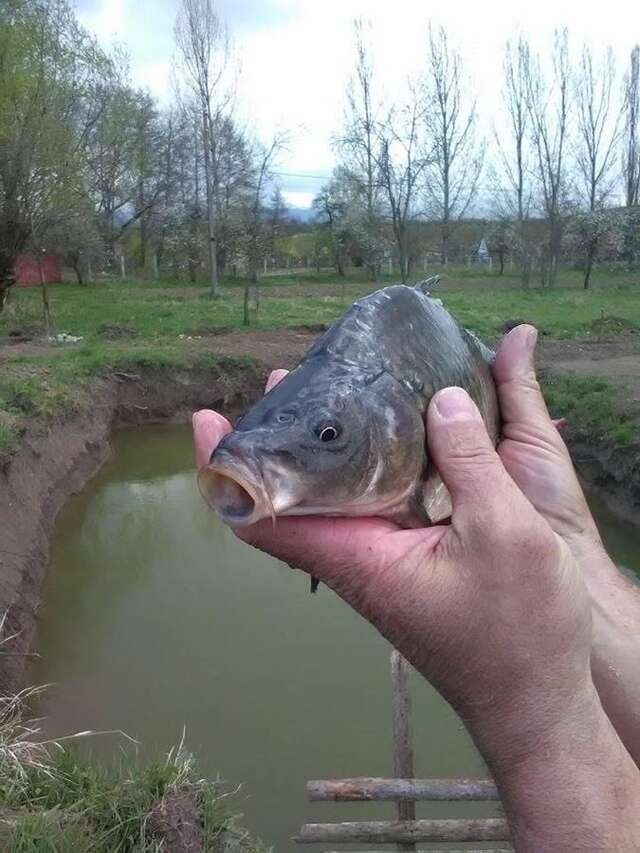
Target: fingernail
532 339
453 403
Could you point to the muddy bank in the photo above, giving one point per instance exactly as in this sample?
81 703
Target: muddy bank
613 473
57 459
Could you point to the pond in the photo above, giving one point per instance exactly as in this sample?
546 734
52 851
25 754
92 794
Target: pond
156 618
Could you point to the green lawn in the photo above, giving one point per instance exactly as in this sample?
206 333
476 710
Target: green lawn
154 312
143 323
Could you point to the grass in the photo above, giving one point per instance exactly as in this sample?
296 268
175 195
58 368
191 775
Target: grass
150 313
592 405
53 800
140 324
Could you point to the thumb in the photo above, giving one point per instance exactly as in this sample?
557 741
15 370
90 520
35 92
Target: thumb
463 452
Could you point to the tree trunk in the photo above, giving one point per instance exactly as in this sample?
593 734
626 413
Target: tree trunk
501 260
211 215
588 267
444 248
46 310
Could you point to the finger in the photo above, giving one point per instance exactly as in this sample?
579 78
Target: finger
274 377
463 453
521 400
209 428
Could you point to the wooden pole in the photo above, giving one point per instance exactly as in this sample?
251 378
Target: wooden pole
405 832
364 789
123 271
402 748
155 265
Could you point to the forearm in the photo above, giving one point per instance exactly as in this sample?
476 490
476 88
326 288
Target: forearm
615 658
569 785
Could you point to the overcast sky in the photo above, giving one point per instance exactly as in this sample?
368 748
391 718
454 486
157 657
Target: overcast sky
295 56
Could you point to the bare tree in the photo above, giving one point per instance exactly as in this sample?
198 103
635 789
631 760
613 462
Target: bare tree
202 42
598 128
451 122
549 107
631 154
631 163
403 160
258 226
359 149
597 136
513 197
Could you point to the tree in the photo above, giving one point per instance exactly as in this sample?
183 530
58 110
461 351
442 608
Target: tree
500 240
259 228
50 99
359 152
331 209
513 198
202 42
549 108
589 232
597 132
631 162
457 156
404 157
631 154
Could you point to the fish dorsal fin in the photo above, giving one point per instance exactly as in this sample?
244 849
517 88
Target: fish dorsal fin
427 285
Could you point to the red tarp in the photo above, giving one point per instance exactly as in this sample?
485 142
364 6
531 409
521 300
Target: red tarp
27 272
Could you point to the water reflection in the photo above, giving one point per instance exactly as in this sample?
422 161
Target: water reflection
156 617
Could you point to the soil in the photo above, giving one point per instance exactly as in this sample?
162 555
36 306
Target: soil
56 460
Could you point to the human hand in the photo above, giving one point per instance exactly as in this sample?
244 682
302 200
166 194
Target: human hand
496 592
536 457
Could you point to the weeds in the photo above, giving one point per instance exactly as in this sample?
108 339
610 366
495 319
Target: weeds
591 405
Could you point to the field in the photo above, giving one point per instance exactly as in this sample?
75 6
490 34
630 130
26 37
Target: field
126 324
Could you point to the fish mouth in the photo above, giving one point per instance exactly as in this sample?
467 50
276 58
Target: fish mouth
233 495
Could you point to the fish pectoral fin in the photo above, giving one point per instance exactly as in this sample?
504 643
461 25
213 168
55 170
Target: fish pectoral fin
413 514
428 284
436 499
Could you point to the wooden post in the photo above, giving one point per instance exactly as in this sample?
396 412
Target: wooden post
390 265
402 748
89 270
155 265
123 271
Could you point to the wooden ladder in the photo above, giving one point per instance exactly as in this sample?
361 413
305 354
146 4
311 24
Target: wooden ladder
405 790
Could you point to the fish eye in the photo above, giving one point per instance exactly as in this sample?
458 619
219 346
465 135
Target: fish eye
327 432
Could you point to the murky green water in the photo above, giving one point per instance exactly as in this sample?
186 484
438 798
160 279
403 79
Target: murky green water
155 617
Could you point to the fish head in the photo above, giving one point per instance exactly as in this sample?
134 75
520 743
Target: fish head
328 440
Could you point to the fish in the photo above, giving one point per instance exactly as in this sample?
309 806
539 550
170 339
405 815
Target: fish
343 434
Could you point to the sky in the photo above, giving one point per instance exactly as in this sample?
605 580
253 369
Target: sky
295 57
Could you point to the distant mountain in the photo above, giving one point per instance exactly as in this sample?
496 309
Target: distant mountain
300 214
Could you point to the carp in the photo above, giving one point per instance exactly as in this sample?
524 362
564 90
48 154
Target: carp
343 434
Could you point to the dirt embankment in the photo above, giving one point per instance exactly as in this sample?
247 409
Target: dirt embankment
56 460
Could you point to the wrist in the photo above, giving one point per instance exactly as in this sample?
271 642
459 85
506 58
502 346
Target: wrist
535 724
568 786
